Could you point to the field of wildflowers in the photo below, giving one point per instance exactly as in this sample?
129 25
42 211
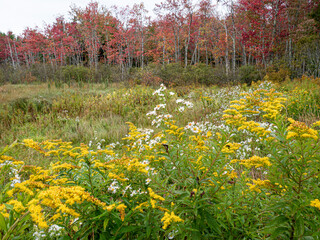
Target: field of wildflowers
228 163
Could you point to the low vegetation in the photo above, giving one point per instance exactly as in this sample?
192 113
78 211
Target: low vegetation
97 162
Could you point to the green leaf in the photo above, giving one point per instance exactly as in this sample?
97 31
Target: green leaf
148 231
299 226
279 232
212 222
3 224
105 223
191 229
279 220
66 237
127 229
307 238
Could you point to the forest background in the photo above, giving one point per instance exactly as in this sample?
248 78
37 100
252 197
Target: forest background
184 43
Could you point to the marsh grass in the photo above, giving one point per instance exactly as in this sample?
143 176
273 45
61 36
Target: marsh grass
84 112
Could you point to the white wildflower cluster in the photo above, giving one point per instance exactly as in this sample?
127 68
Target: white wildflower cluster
172 234
266 85
132 192
153 142
159 113
151 171
114 186
54 231
13 172
220 101
148 180
136 192
247 148
156 108
223 97
110 157
183 104
113 145
16 178
145 137
95 142
200 127
39 235
227 167
127 188
159 92
160 119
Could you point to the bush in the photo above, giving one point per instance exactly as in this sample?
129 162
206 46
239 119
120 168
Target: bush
248 74
2 79
172 74
200 73
76 73
220 75
277 74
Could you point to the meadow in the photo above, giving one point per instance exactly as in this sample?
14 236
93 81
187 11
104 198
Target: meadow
128 161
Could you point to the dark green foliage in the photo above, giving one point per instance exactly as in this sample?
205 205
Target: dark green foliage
248 74
316 15
76 73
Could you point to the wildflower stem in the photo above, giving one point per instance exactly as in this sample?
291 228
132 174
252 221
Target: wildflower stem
11 229
211 165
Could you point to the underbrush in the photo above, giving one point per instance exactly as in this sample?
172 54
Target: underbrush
205 163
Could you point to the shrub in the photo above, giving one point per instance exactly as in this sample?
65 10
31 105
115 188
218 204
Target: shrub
2 78
277 74
248 74
199 73
76 73
220 75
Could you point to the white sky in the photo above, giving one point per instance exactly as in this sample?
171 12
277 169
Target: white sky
16 15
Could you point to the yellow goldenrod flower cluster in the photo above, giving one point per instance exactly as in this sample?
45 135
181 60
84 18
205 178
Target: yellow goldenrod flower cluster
299 130
264 101
272 104
32 144
4 158
17 205
199 143
233 174
170 218
33 184
257 184
136 166
60 200
67 166
173 129
154 195
316 124
119 177
36 213
121 208
230 147
3 211
64 149
256 162
315 203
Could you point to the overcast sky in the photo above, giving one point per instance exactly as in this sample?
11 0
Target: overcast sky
16 15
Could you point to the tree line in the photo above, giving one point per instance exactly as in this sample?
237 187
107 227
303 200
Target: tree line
249 32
